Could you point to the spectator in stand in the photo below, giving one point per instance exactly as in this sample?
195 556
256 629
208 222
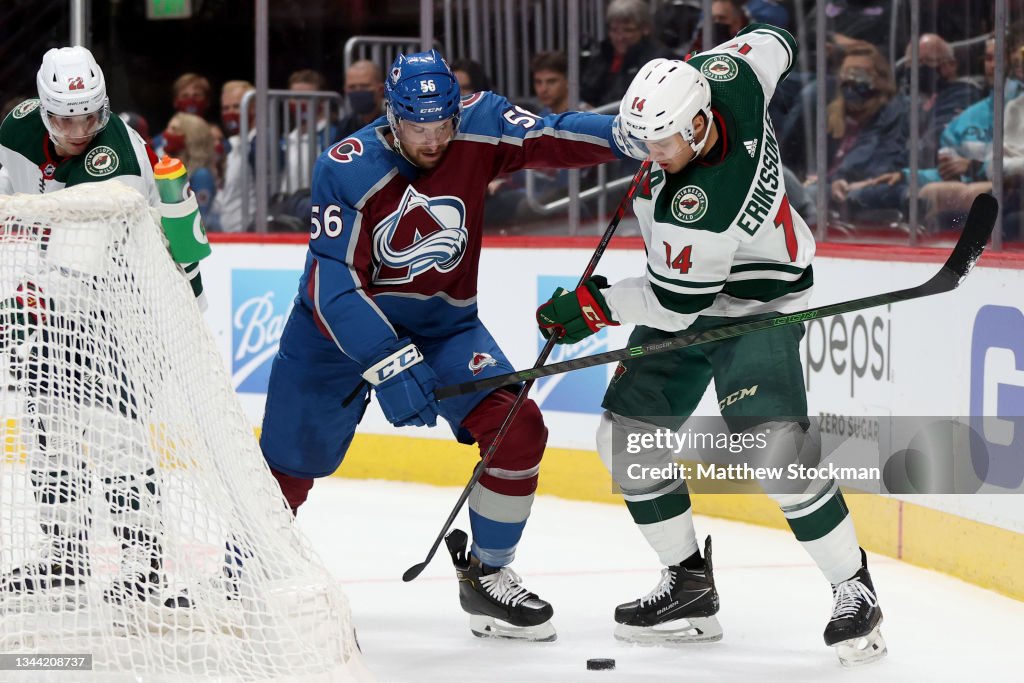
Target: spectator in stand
866 122
964 160
506 194
188 137
610 70
727 17
471 76
218 153
191 94
228 202
549 71
942 98
298 167
774 12
848 21
364 94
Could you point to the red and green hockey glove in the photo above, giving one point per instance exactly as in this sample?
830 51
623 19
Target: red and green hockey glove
21 315
579 313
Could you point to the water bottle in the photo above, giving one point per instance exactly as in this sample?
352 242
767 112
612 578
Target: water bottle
179 212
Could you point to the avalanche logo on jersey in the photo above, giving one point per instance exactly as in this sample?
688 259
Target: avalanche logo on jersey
346 150
479 361
424 233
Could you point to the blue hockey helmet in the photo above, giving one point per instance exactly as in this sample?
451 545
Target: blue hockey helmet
421 88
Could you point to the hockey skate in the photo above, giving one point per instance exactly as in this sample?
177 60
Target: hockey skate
680 609
498 604
61 574
142 577
854 628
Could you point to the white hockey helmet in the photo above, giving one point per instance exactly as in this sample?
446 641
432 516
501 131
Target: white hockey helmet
72 94
663 100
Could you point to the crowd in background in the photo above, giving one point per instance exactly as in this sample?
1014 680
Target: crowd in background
868 114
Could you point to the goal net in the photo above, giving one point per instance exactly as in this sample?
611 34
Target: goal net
139 523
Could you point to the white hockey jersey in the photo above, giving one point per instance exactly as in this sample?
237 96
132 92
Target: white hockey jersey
721 237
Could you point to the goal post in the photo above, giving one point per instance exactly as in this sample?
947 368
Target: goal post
139 523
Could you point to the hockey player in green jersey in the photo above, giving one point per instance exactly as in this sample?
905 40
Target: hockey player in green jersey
67 137
723 245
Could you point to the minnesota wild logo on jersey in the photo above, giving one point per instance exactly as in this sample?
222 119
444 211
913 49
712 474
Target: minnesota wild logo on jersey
689 204
25 108
101 161
720 68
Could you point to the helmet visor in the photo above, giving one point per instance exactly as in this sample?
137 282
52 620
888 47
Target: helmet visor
80 128
432 134
666 149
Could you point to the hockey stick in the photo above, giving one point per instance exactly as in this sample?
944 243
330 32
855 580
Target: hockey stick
415 570
967 251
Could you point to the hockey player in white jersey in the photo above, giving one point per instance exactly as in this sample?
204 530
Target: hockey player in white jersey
723 245
50 339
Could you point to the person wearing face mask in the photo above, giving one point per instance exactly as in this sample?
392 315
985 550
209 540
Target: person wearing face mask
942 96
189 138
364 96
963 167
228 202
190 94
728 17
941 99
609 70
866 122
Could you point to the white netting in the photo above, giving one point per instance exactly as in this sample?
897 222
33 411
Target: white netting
138 521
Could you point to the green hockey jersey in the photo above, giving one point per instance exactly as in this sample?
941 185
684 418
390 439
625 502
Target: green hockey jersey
722 238
31 166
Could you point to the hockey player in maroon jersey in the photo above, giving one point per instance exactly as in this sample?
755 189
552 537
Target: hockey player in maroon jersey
387 302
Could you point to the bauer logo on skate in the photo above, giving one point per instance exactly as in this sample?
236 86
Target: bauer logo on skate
260 303
424 233
574 392
997 393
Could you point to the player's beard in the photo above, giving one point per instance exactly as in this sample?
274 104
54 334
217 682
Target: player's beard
426 158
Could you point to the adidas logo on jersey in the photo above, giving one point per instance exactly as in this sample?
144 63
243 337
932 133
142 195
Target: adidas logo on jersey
751 146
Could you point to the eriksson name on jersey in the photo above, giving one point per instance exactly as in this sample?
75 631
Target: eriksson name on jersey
762 199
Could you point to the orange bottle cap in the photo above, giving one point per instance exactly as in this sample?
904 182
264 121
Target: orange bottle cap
168 168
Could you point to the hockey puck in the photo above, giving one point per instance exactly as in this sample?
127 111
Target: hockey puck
600 664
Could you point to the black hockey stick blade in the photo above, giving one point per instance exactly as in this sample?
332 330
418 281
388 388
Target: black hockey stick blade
965 254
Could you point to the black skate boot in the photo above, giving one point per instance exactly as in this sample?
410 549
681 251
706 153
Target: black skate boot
138 582
680 609
856 619
66 565
490 594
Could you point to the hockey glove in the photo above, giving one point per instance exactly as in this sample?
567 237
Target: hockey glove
21 315
404 385
579 313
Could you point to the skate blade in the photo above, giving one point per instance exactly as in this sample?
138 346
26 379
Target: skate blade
679 632
863 650
489 627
